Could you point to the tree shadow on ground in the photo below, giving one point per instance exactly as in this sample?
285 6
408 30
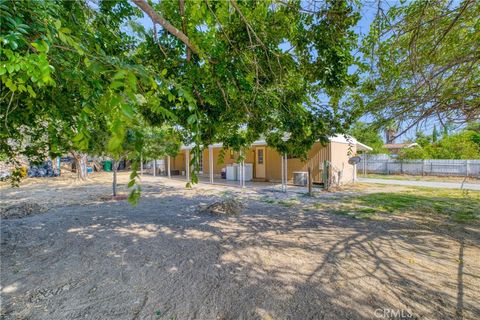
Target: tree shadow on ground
164 259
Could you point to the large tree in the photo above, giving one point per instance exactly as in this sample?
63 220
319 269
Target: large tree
226 71
422 62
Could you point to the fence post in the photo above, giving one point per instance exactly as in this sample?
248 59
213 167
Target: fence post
401 166
386 167
364 164
466 168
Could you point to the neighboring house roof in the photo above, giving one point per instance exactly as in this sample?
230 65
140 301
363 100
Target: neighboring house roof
337 138
400 145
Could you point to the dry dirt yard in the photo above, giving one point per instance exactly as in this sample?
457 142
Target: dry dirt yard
76 255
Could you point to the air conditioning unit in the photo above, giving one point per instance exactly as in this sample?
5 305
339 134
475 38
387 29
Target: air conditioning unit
300 178
248 172
232 172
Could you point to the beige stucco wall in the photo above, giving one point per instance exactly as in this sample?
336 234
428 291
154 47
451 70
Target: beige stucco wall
178 162
339 158
317 154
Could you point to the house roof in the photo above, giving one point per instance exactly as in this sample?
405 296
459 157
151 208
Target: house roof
339 138
400 145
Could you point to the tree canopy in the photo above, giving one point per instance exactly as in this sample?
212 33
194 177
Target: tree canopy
217 71
464 144
422 63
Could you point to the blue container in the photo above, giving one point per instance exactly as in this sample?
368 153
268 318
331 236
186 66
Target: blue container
89 169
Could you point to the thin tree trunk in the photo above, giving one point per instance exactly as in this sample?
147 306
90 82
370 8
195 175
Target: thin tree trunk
114 183
80 164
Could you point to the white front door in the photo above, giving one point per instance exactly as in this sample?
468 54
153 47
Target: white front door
260 162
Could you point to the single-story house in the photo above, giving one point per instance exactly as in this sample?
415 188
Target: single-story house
263 163
396 148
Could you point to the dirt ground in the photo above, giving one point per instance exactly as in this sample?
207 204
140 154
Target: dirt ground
82 257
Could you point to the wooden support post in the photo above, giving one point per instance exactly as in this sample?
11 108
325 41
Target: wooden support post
286 171
168 167
243 173
309 181
187 165
210 163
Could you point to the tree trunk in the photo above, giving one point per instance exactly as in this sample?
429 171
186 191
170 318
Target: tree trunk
80 164
114 183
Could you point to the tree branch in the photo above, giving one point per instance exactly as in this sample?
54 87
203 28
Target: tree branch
145 7
181 4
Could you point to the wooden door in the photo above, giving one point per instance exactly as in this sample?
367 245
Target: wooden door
260 162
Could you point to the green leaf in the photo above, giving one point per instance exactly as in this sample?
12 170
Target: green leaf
31 92
192 119
116 84
127 110
65 30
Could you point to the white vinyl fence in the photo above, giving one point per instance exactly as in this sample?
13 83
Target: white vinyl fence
430 167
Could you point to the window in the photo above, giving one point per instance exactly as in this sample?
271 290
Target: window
260 156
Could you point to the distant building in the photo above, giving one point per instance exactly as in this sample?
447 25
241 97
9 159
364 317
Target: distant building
396 148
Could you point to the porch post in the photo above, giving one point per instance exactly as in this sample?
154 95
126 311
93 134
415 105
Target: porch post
286 171
187 165
168 167
210 163
241 172
141 164
283 174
